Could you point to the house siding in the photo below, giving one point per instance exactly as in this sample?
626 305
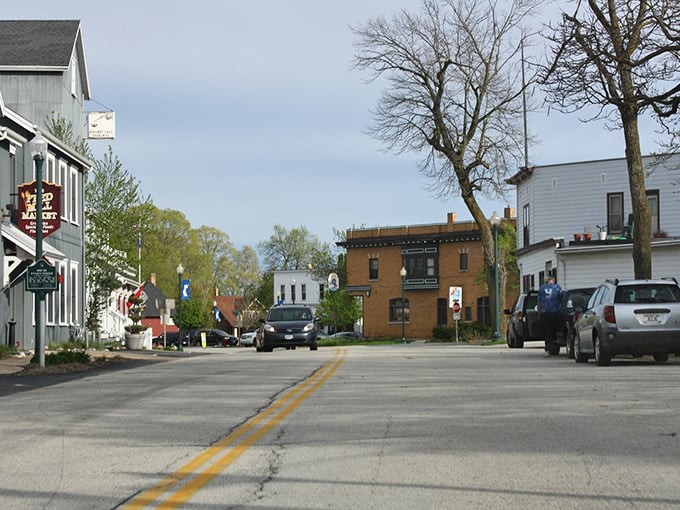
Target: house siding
572 198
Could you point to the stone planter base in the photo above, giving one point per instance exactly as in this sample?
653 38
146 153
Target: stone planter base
134 341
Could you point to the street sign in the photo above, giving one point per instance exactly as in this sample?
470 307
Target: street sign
455 294
41 277
456 307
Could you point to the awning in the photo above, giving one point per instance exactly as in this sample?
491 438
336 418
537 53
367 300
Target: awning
22 240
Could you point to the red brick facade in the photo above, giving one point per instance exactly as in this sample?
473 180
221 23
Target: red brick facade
433 255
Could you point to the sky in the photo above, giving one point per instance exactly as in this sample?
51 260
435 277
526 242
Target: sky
244 115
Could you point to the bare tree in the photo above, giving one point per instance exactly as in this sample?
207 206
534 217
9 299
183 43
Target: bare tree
623 58
455 94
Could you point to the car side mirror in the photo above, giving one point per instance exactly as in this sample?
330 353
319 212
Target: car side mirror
262 321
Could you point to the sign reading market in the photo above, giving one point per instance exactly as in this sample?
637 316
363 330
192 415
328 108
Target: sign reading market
51 208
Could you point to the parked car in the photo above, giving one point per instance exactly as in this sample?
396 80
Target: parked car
524 323
347 334
571 306
287 326
213 337
171 339
637 317
248 339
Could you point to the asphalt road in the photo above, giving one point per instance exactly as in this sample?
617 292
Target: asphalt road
403 426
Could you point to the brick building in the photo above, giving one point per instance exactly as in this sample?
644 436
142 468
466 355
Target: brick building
436 257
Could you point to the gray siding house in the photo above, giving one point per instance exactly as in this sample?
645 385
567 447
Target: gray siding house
562 209
42 70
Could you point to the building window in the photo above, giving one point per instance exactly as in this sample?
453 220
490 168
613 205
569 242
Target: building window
468 314
62 294
50 174
483 311
653 201
372 269
49 308
303 292
421 263
73 289
63 180
292 292
282 294
396 310
442 311
321 290
463 257
73 192
615 213
526 224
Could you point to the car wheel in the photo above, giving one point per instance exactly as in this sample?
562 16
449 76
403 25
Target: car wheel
554 349
579 357
510 338
602 357
313 347
661 357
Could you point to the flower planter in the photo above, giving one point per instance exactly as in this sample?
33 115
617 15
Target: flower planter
577 237
134 341
587 236
603 236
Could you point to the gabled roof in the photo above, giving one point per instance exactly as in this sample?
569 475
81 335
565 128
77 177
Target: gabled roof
42 45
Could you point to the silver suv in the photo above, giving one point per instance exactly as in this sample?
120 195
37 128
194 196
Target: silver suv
637 317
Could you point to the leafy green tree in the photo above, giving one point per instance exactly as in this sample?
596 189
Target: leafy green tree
296 248
193 315
339 310
112 197
63 130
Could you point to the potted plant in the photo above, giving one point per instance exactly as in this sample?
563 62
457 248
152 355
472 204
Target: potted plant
135 332
603 232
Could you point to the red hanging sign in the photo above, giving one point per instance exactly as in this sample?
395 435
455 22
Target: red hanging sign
51 208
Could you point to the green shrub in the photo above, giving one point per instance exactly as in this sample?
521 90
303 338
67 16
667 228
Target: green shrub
467 332
62 358
5 352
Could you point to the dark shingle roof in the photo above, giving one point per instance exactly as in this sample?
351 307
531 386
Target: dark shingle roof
43 43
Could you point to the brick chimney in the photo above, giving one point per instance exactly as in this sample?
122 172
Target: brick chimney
451 218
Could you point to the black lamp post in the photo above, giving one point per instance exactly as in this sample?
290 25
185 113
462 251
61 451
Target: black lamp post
180 270
402 273
495 221
39 153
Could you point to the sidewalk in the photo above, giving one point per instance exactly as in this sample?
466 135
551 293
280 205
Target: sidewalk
16 364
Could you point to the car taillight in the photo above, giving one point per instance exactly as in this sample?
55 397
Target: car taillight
519 315
576 316
608 314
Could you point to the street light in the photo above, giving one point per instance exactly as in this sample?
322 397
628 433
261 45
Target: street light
495 221
180 270
402 273
38 147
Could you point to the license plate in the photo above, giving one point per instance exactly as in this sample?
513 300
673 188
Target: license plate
650 318
288 337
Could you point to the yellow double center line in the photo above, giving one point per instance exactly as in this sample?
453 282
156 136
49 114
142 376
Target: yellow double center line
229 449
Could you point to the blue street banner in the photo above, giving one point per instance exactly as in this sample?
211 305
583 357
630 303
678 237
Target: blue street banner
186 290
